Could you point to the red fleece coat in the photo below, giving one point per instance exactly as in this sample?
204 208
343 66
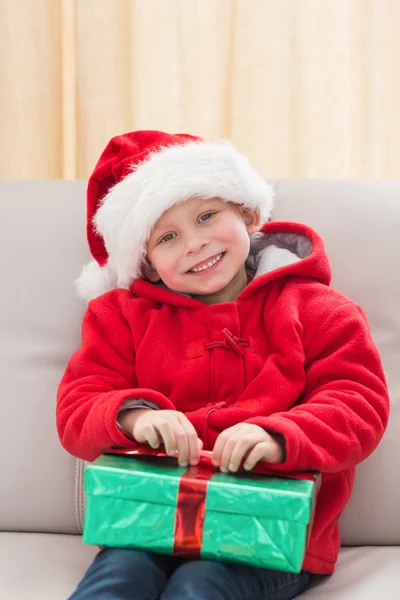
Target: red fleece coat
290 354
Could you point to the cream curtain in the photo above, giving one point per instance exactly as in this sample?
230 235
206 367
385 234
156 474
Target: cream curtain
307 88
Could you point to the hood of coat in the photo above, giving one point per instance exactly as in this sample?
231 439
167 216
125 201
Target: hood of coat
277 250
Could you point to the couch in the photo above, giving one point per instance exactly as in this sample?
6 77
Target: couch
42 248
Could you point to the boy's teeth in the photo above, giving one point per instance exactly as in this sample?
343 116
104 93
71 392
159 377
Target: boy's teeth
208 265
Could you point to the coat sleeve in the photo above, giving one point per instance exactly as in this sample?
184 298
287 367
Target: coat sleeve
343 411
99 378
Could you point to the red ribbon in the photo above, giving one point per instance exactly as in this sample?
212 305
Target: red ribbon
191 503
262 467
190 511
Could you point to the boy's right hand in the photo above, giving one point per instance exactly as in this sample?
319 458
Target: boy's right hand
168 427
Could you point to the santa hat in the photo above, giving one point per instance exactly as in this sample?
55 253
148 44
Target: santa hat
137 178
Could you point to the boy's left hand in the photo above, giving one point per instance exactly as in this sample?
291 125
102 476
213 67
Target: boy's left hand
246 441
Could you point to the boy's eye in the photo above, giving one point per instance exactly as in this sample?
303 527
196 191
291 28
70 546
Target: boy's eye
167 238
206 217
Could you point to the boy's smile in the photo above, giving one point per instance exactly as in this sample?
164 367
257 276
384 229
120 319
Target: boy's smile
207 265
199 247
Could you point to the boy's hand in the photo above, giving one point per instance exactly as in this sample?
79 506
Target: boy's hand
246 441
168 427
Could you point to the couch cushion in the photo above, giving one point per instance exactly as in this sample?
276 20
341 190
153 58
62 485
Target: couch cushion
359 222
42 248
38 566
364 573
48 567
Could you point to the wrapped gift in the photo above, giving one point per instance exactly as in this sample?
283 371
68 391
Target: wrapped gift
150 503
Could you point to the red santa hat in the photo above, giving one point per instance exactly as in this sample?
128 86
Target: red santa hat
137 178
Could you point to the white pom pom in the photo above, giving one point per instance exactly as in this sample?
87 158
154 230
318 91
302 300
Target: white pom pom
95 280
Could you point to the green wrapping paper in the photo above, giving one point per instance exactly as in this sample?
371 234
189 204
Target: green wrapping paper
250 518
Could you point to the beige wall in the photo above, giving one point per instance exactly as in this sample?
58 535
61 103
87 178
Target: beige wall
308 88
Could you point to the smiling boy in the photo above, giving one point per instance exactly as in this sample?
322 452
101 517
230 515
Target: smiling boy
210 327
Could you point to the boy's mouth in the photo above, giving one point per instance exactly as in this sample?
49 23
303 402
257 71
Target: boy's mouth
207 265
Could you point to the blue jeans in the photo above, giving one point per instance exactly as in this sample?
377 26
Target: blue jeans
119 574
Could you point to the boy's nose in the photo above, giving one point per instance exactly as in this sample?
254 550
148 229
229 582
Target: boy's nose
195 244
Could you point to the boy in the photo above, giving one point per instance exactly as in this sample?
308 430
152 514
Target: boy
216 332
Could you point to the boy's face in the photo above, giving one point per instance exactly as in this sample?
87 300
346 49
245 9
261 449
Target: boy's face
192 235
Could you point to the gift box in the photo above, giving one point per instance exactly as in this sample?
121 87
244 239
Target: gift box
150 503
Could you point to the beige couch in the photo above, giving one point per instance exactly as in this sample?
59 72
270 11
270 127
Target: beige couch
42 248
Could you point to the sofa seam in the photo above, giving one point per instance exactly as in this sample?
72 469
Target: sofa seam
77 495
81 502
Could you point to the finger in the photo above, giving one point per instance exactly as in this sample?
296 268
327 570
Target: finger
151 436
239 452
168 437
217 451
220 444
182 444
193 441
227 453
263 450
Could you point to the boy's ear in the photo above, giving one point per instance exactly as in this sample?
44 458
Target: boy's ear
149 271
251 219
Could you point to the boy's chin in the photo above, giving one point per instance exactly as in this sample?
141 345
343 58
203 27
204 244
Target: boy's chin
193 291
193 288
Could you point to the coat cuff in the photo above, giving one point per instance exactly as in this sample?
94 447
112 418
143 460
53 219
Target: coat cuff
115 432
130 404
